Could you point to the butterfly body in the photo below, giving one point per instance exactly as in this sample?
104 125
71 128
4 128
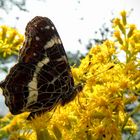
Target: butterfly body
42 77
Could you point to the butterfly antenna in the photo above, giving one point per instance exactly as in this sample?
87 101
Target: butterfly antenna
105 70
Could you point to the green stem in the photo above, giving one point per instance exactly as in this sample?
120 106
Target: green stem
129 115
43 134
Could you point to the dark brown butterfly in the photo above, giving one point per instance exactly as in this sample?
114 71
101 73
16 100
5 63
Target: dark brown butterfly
42 77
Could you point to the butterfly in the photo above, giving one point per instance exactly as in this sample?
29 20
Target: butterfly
42 77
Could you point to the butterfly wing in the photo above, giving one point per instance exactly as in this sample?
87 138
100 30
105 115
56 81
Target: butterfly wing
42 74
15 87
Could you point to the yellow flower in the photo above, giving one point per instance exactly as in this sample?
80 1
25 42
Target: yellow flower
98 111
118 36
10 41
116 21
123 14
131 31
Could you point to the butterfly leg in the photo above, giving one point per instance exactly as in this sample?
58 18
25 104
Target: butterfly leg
32 115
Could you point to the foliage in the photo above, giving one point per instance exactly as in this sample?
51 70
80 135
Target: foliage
74 58
8 4
99 110
102 34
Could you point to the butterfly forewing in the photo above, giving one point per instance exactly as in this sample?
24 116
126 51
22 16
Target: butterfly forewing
42 77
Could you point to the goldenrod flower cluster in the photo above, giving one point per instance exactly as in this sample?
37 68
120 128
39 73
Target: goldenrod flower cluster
10 41
99 111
